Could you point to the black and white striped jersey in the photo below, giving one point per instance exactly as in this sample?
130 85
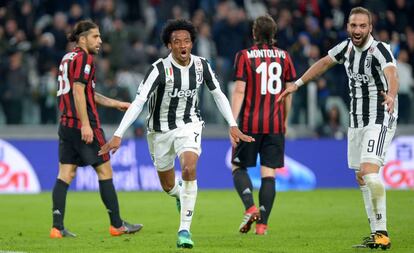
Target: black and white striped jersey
364 67
172 92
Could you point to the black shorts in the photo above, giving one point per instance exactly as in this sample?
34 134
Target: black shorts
73 150
271 148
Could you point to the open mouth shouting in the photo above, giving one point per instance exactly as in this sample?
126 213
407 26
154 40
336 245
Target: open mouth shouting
357 39
183 54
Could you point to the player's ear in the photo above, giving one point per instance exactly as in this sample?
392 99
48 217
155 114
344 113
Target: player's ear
169 46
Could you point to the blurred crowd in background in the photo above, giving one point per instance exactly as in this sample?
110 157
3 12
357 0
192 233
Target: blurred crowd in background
33 41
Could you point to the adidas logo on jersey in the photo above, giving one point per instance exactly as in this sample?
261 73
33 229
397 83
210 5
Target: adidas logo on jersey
182 93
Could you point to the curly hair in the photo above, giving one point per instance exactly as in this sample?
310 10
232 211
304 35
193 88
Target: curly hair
175 25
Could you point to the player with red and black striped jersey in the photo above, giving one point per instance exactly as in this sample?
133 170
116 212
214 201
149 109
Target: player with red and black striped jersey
261 73
80 132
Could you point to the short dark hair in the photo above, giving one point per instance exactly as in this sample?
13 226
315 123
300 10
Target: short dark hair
80 29
264 29
361 10
175 25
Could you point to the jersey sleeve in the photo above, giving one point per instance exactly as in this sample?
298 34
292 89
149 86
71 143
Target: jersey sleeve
289 71
82 68
240 67
337 53
149 84
209 76
384 55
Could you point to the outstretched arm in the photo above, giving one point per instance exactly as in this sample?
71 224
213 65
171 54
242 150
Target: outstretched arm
129 117
224 106
390 73
318 68
109 102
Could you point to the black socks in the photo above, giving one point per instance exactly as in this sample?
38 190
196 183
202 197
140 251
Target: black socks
244 186
267 195
109 198
59 202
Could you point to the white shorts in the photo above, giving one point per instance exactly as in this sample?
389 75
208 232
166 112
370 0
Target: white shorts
165 147
368 144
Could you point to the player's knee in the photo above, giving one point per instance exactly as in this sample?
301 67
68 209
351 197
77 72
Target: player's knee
67 176
167 186
236 170
188 172
375 184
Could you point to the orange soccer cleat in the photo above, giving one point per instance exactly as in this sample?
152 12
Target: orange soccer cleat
251 215
56 233
261 229
126 228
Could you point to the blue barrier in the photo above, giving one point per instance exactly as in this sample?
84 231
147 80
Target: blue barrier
29 166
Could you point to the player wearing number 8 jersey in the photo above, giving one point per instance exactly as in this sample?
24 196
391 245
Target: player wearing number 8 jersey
80 135
261 73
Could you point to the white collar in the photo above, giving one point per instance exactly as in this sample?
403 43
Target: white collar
366 46
178 65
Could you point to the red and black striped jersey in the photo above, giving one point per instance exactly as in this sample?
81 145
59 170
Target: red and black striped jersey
265 70
76 66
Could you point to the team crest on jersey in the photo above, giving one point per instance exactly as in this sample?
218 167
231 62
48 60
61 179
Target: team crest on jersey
368 61
87 69
199 76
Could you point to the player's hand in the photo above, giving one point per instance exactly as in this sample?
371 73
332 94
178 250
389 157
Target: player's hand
290 88
112 145
388 102
87 134
236 136
122 106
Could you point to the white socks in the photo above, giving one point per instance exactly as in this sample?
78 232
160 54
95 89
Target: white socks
175 191
378 197
366 195
188 199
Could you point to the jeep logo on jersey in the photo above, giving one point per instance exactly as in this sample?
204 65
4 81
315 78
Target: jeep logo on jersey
182 93
16 173
358 77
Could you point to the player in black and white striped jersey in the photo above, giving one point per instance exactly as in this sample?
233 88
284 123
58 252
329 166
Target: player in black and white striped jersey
174 122
373 85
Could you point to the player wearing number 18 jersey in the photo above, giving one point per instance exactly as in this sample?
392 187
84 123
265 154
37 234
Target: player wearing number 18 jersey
80 135
261 73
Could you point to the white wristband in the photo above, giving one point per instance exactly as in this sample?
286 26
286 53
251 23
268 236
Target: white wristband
299 82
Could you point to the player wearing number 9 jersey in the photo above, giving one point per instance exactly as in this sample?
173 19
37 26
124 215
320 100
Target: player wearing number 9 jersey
261 73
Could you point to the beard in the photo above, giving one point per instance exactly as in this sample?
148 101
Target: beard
93 50
360 42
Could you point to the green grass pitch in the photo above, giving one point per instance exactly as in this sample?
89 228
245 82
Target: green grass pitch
316 221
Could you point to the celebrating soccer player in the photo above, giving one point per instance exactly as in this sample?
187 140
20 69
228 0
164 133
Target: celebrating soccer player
80 132
261 73
174 122
373 85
